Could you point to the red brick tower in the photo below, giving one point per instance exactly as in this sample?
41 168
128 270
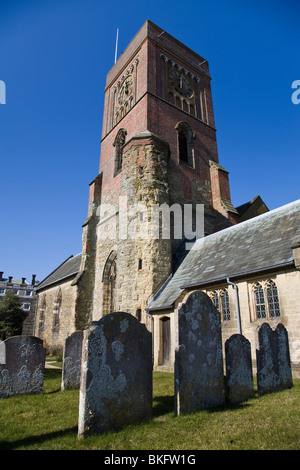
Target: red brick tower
158 146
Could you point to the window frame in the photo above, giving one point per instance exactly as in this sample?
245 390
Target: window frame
265 287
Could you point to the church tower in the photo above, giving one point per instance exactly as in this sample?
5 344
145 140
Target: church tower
158 148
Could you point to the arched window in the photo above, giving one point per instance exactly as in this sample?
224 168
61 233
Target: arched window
42 314
109 283
57 310
273 300
260 305
185 139
220 299
225 305
118 144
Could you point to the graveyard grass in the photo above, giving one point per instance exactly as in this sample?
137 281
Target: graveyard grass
49 422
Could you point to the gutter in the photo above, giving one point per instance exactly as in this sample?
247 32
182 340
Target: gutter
236 276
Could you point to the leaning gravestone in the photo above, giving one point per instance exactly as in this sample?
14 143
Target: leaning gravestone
71 369
116 376
273 360
22 370
199 377
239 376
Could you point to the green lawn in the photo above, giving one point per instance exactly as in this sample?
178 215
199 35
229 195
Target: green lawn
49 421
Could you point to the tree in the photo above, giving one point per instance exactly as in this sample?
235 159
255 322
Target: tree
11 316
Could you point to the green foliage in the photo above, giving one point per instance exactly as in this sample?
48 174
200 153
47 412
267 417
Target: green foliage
11 316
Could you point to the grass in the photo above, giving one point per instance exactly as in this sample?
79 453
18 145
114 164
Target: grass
49 421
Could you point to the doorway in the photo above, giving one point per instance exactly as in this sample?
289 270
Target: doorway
165 340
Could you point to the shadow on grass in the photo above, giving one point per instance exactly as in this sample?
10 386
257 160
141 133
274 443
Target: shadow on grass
33 440
162 405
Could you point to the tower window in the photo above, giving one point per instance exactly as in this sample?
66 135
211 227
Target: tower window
119 144
185 139
183 147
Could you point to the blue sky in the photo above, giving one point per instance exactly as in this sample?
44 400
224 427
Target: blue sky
54 57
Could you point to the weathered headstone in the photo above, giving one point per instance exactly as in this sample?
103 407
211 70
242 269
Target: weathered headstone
71 369
116 376
23 370
273 359
239 375
199 376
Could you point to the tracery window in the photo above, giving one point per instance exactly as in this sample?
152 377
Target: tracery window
266 300
220 299
273 300
260 305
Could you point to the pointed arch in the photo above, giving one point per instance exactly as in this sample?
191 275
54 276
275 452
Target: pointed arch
118 144
109 283
57 309
185 144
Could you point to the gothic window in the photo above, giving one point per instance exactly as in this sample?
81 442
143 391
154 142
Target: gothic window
260 305
273 301
109 283
185 139
220 299
225 305
266 300
42 314
57 310
118 144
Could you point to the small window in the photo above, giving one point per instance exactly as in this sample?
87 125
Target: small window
26 307
28 293
2 291
260 305
140 264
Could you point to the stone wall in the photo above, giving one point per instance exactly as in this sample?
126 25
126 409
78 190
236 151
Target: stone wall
48 307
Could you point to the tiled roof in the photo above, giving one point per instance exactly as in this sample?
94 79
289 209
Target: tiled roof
262 242
68 268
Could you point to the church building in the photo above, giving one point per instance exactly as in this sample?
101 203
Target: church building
159 182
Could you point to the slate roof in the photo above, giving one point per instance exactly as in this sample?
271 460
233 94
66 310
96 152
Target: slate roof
67 269
263 242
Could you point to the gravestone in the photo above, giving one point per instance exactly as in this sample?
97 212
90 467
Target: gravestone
22 370
71 369
116 376
199 377
239 375
273 359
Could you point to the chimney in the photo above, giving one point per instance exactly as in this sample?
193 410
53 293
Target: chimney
1 274
23 280
33 279
10 279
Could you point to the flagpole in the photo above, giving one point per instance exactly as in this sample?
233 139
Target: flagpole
116 51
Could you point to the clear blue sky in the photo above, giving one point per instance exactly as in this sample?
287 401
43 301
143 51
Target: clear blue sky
54 57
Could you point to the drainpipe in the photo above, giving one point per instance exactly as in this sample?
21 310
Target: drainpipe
150 316
237 305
